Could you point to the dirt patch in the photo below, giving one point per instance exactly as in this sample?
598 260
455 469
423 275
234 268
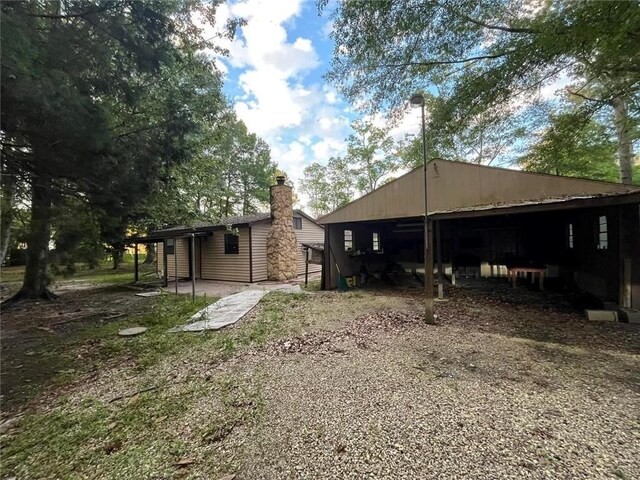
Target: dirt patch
34 333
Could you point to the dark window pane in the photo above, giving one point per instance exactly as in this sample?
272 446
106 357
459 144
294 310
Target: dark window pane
171 246
231 245
297 223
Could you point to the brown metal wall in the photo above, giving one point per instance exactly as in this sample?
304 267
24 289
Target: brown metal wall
454 185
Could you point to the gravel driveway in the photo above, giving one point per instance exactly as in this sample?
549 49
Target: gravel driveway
387 397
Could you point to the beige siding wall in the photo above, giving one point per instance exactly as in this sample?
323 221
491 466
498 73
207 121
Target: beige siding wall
259 233
216 265
458 184
182 246
310 233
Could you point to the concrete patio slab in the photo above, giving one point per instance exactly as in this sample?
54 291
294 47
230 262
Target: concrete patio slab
219 288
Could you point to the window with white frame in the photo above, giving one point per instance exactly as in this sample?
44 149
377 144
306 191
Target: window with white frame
376 242
603 233
348 241
570 235
297 223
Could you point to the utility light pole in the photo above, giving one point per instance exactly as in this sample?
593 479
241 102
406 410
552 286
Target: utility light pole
417 100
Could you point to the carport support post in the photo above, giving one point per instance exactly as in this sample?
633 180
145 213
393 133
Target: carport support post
193 267
135 263
175 262
428 235
439 254
428 272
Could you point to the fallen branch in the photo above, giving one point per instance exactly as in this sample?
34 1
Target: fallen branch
133 394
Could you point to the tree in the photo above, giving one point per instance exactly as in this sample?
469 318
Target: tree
568 147
328 186
370 152
98 98
287 181
489 55
229 174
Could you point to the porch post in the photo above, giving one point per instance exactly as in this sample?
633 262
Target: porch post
193 267
175 262
165 263
306 266
326 267
135 264
439 254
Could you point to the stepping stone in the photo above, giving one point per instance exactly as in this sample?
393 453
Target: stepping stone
132 332
148 294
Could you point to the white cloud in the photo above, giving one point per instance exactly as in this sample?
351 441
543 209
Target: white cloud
302 121
273 64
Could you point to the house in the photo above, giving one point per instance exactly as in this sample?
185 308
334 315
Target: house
249 248
487 221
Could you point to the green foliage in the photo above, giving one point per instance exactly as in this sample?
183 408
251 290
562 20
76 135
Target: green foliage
76 235
328 186
370 154
486 63
562 149
106 104
229 174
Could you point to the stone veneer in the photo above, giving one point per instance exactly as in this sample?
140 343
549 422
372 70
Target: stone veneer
281 241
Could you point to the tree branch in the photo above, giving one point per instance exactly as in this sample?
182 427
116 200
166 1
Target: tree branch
590 99
70 15
480 23
450 62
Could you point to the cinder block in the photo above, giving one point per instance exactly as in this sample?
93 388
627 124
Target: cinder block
601 315
631 315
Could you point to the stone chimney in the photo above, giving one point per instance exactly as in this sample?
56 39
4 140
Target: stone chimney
282 244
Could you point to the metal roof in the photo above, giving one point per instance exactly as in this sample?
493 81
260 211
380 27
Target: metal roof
455 186
207 227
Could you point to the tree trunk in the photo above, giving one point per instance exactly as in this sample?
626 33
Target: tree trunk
151 254
625 153
8 191
116 257
35 275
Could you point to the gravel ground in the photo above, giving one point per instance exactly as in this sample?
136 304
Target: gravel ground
387 397
508 384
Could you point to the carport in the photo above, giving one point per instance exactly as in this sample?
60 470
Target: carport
580 233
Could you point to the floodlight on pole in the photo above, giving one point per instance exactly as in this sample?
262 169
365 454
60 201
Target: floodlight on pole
417 101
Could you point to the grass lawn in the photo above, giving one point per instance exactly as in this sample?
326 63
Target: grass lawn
330 385
62 434
11 277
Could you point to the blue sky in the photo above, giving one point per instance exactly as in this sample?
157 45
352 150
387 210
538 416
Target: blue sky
274 75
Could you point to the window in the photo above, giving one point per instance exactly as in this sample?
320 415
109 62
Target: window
570 235
297 223
171 246
603 237
230 244
376 242
348 241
